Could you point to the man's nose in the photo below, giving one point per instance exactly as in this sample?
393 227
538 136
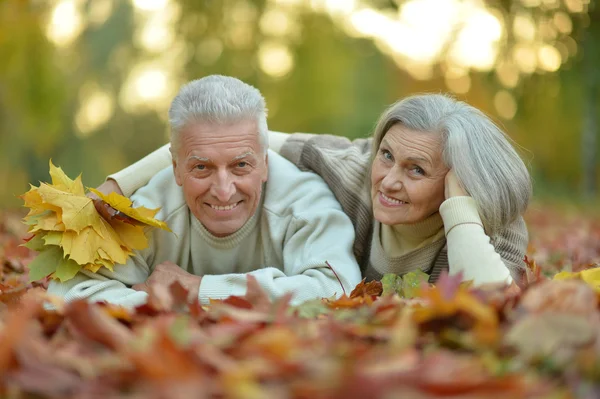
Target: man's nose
223 187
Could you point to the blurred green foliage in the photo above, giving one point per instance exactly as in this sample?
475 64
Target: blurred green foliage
337 84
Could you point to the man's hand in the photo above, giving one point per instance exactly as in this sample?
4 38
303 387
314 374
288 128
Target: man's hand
106 211
166 274
453 187
109 186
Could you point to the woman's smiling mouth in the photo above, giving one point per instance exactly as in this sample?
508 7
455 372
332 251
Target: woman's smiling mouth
389 201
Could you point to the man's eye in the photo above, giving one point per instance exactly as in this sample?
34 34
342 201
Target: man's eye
200 167
242 164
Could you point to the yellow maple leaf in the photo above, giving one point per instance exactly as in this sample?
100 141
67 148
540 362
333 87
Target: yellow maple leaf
33 200
46 222
123 204
71 234
590 276
78 212
62 182
132 236
82 247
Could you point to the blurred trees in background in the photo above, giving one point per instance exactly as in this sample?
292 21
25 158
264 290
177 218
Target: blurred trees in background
88 83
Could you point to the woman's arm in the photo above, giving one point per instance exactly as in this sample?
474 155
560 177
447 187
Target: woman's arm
472 252
139 174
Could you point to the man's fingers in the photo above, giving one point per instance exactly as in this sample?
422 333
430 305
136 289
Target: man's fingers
140 287
109 213
105 210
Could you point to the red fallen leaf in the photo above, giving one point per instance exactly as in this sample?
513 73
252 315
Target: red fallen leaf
345 302
164 360
11 295
236 302
569 296
13 330
89 320
448 285
179 295
34 377
256 295
372 288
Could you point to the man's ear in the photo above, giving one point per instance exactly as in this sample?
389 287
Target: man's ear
177 173
266 174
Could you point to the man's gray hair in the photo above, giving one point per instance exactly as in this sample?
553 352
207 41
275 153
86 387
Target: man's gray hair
480 153
220 100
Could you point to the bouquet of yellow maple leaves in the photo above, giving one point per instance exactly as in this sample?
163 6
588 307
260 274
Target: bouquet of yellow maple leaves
69 233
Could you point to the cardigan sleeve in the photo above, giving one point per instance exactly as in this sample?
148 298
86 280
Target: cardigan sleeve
105 285
472 252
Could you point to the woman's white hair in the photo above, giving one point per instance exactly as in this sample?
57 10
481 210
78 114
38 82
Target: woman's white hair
480 153
221 100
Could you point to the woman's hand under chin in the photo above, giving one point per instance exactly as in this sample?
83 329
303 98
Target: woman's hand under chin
453 187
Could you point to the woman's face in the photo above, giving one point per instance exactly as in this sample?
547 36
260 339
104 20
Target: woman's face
407 178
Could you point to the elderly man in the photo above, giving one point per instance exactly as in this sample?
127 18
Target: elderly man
235 208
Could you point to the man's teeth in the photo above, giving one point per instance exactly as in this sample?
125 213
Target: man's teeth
392 200
224 208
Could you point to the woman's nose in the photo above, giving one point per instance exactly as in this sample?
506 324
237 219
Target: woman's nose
392 181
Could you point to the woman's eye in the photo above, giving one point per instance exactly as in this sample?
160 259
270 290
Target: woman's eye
418 170
387 155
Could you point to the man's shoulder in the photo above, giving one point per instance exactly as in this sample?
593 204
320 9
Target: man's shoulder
161 192
290 190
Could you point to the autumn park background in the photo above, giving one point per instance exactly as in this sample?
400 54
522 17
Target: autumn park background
87 83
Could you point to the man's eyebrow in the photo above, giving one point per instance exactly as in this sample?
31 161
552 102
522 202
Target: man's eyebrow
241 156
201 159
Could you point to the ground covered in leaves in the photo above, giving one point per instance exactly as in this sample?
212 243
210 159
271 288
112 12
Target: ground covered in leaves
447 341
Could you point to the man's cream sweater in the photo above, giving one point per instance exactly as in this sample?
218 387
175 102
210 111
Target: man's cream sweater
298 227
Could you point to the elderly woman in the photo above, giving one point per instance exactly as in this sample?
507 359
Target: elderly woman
438 187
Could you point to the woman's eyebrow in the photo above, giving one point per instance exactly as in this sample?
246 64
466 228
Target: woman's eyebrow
419 159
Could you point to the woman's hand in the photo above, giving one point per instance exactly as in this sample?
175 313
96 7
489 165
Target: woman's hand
453 187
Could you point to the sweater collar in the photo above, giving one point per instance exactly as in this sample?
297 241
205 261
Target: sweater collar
417 231
234 239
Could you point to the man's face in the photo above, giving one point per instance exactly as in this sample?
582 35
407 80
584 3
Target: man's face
221 169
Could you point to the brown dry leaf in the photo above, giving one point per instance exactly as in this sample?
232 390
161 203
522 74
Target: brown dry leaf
549 334
124 205
372 288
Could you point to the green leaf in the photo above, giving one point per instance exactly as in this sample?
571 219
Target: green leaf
179 331
411 282
36 243
311 309
391 284
66 269
46 262
53 237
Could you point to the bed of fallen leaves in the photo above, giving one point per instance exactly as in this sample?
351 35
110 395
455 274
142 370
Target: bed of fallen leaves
448 341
